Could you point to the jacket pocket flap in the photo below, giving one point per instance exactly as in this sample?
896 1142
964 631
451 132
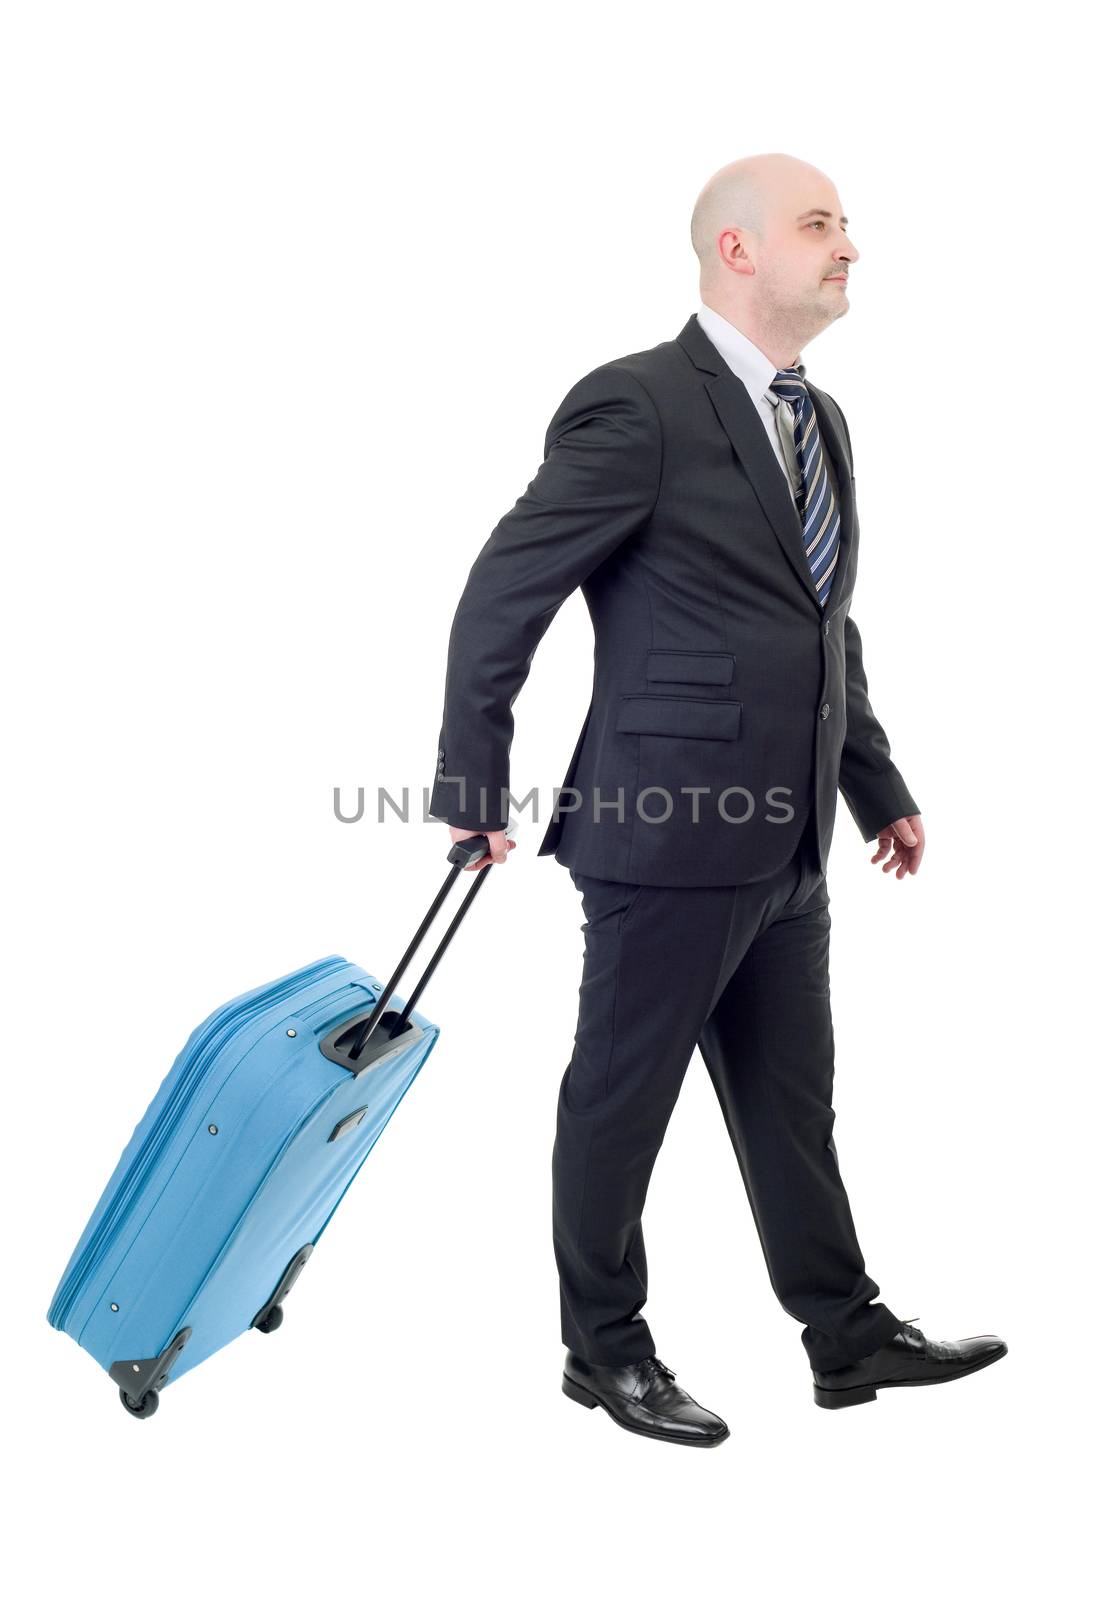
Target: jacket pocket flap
679 716
689 666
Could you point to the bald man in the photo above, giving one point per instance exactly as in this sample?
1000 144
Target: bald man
701 495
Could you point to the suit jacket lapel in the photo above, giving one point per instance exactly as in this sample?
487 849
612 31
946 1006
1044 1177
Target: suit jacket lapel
744 427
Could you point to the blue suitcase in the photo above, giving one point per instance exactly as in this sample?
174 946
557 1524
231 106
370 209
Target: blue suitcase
241 1160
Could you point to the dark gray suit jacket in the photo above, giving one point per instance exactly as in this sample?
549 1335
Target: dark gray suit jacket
728 707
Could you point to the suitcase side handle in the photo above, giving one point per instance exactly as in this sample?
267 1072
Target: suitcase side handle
463 853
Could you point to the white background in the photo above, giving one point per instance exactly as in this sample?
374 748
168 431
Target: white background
292 292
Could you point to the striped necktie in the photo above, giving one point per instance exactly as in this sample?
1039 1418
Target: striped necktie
820 515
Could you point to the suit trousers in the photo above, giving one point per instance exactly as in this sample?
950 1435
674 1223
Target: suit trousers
741 971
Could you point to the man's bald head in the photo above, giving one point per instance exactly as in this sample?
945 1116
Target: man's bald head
746 194
773 247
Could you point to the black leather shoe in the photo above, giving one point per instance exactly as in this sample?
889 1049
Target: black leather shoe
907 1359
644 1398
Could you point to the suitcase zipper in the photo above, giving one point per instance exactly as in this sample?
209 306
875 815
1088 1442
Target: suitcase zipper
227 1021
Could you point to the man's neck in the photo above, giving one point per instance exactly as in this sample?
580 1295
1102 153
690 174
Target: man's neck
774 346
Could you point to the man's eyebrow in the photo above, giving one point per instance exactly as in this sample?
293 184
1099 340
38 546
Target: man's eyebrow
818 212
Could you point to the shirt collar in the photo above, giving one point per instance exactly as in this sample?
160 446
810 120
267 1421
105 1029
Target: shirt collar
744 358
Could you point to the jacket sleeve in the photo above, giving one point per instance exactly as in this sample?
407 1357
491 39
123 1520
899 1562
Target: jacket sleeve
597 485
870 782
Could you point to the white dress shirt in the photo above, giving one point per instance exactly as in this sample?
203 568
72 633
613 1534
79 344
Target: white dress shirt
757 373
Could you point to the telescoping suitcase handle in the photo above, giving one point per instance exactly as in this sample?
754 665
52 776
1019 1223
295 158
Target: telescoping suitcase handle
463 853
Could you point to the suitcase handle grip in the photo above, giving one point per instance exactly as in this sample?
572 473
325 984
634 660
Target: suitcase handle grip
463 853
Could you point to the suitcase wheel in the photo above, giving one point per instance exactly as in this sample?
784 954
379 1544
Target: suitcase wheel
144 1407
272 1321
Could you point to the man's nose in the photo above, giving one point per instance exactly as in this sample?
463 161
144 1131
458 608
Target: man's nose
847 252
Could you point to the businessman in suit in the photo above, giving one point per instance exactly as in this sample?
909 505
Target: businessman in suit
701 495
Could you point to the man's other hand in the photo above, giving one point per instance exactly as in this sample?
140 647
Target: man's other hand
500 845
907 838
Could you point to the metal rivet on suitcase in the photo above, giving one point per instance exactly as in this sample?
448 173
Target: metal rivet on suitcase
114 1306
213 1127
291 1033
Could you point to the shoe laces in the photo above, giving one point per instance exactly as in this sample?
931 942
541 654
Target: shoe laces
654 1366
939 1349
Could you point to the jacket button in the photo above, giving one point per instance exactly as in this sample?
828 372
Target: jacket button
826 627
824 709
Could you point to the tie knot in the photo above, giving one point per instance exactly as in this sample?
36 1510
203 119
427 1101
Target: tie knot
789 385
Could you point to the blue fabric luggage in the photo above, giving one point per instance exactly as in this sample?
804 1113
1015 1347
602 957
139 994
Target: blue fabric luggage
241 1160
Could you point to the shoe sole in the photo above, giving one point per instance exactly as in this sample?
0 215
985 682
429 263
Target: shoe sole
837 1399
584 1397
